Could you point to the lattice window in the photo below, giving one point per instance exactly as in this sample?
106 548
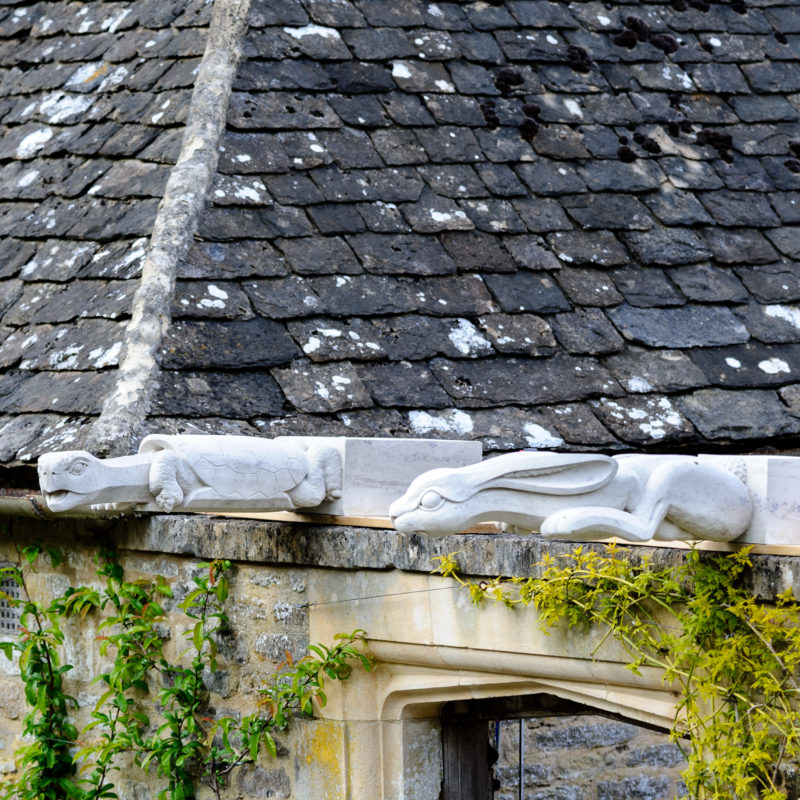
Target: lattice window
9 616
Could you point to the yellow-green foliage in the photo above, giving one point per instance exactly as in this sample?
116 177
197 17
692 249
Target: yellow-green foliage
733 658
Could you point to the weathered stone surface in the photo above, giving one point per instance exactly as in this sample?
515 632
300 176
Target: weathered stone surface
751 364
541 216
643 788
58 260
402 384
675 207
220 300
738 415
643 420
646 287
739 246
279 110
475 251
531 381
59 303
217 394
771 323
545 178
581 736
614 176
687 326
333 340
399 254
668 246
588 287
233 345
283 297
787 240
229 224
740 208
239 190
774 283
318 389
251 152
527 291
704 283
586 332
90 344
641 371
603 212
432 213
223 260
331 219
519 333
530 252
64 392
418 338
456 180
311 256
259 782
601 248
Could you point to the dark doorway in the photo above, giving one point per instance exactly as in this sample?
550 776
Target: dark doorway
553 749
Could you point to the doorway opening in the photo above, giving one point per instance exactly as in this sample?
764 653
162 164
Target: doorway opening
542 747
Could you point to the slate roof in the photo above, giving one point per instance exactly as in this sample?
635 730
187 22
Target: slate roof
536 223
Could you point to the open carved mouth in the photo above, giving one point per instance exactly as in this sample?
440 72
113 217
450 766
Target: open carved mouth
61 499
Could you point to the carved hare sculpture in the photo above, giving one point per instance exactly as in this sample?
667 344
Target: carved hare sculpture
581 497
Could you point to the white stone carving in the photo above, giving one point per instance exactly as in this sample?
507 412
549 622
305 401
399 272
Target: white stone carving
323 475
197 473
581 497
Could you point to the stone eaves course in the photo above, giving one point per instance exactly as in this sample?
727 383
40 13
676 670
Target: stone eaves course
509 221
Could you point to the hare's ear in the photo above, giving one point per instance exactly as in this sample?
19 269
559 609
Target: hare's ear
549 473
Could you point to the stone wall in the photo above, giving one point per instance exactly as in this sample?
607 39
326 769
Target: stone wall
267 615
276 565
588 757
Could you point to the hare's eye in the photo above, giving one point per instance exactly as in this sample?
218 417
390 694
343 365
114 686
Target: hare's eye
78 468
431 500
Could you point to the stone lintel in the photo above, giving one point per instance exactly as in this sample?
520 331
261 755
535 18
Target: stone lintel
352 548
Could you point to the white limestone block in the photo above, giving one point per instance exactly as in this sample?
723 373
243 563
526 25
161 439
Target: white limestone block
376 471
774 485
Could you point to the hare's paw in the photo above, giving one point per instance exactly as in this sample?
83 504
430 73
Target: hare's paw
589 523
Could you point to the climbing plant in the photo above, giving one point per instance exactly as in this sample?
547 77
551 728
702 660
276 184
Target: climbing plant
183 742
734 659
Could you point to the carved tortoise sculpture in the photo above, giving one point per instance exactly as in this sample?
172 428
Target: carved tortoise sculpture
197 473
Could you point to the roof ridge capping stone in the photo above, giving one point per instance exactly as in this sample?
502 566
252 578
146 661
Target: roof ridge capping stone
125 408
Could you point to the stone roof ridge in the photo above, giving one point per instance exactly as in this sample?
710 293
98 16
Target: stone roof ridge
125 409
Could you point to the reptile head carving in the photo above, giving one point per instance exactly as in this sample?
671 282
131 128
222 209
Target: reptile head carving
69 479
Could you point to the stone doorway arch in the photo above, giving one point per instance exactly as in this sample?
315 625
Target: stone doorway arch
381 734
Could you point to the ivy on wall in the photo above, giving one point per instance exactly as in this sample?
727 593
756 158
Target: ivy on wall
174 738
735 660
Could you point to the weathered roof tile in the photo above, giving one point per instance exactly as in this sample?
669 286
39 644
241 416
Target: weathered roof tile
235 345
739 415
682 327
646 288
401 384
323 388
527 291
643 419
